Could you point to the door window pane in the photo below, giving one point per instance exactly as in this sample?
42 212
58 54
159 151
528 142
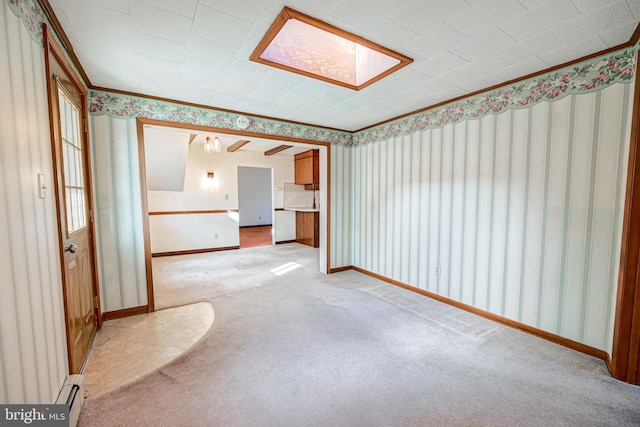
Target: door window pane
72 163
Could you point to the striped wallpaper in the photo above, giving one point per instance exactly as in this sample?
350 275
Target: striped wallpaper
518 214
341 206
118 216
33 355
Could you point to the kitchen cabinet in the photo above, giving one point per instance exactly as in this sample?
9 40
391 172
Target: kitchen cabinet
307 228
307 169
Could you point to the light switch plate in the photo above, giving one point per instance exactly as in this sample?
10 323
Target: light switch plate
41 186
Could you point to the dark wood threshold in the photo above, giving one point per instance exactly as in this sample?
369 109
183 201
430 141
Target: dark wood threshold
574 345
282 242
117 314
195 251
254 226
340 269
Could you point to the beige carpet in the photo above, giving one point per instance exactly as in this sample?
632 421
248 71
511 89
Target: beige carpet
130 348
304 349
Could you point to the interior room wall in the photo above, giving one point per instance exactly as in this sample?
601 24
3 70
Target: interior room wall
165 159
341 209
118 216
255 195
198 231
518 213
33 354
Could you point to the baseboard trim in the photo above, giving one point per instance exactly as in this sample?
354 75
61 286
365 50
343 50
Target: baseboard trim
340 269
582 348
254 226
195 251
126 312
282 242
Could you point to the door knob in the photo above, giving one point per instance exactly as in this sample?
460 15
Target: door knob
71 248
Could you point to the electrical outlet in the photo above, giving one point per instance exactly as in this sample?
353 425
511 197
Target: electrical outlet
437 270
259 218
215 236
226 197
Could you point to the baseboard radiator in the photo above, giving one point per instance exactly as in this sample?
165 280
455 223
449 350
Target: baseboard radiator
72 395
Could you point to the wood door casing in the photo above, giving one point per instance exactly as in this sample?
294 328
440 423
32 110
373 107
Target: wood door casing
72 188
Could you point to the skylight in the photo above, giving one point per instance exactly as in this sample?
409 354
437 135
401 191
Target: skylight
304 45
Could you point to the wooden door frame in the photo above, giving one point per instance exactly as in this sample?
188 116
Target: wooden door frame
625 357
51 47
141 122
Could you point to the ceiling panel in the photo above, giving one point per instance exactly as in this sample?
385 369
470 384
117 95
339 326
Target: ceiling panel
186 8
418 15
198 50
159 22
484 15
220 27
540 19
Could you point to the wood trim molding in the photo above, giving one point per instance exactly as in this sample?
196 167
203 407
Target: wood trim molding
215 211
68 47
276 150
142 167
194 251
635 37
340 269
282 242
255 226
177 125
582 348
625 357
237 145
117 314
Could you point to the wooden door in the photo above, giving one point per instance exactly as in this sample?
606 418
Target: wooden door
68 112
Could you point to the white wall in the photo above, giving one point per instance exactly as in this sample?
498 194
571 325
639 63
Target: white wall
197 231
255 194
520 211
165 153
33 354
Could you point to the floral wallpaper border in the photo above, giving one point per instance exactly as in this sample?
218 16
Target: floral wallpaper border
31 15
589 76
126 106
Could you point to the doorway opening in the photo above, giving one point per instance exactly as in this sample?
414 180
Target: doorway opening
216 174
255 206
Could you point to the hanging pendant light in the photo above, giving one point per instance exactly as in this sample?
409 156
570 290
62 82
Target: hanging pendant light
208 146
212 147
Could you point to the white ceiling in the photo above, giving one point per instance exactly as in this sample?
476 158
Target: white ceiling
198 50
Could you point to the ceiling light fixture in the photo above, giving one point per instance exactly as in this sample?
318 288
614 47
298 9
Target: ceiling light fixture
304 45
212 147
